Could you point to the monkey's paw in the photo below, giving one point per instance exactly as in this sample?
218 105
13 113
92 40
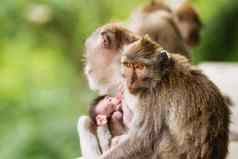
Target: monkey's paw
83 122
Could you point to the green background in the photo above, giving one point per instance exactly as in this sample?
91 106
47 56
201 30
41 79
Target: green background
43 90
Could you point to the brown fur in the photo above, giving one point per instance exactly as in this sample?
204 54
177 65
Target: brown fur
174 28
157 20
189 23
122 34
155 6
181 116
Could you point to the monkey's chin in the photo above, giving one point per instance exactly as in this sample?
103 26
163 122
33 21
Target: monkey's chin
135 91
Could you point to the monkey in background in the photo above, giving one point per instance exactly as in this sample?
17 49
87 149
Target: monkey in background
189 23
176 29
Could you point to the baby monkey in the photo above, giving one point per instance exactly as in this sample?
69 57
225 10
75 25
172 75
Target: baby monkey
106 115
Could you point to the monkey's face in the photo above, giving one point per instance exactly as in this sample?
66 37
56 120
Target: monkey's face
108 105
102 59
143 63
189 24
190 31
136 74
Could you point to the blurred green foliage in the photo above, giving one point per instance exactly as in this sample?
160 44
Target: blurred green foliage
42 87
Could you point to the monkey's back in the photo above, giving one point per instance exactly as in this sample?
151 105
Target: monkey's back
196 114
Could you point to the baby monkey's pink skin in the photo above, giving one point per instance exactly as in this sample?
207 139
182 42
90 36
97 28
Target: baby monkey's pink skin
106 108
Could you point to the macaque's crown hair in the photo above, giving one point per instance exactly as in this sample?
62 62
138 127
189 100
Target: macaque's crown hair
148 43
122 34
156 5
144 47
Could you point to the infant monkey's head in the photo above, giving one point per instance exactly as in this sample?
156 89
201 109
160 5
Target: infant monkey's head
102 109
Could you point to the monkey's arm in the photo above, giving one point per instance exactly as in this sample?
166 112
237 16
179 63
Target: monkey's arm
88 141
104 137
129 147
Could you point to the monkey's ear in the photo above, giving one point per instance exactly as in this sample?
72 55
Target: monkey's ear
148 43
163 56
164 62
106 39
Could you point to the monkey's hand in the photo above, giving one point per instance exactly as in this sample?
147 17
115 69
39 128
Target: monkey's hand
101 120
116 124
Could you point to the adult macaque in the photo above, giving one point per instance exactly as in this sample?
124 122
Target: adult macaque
178 111
174 28
102 69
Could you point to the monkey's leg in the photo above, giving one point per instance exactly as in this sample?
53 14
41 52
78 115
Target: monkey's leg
88 141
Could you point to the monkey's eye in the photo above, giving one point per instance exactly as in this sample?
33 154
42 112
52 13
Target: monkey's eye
140 66
108 98
106 39
129 65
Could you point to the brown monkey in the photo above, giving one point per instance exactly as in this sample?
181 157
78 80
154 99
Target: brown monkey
173 28
189 23
178 111
157 20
